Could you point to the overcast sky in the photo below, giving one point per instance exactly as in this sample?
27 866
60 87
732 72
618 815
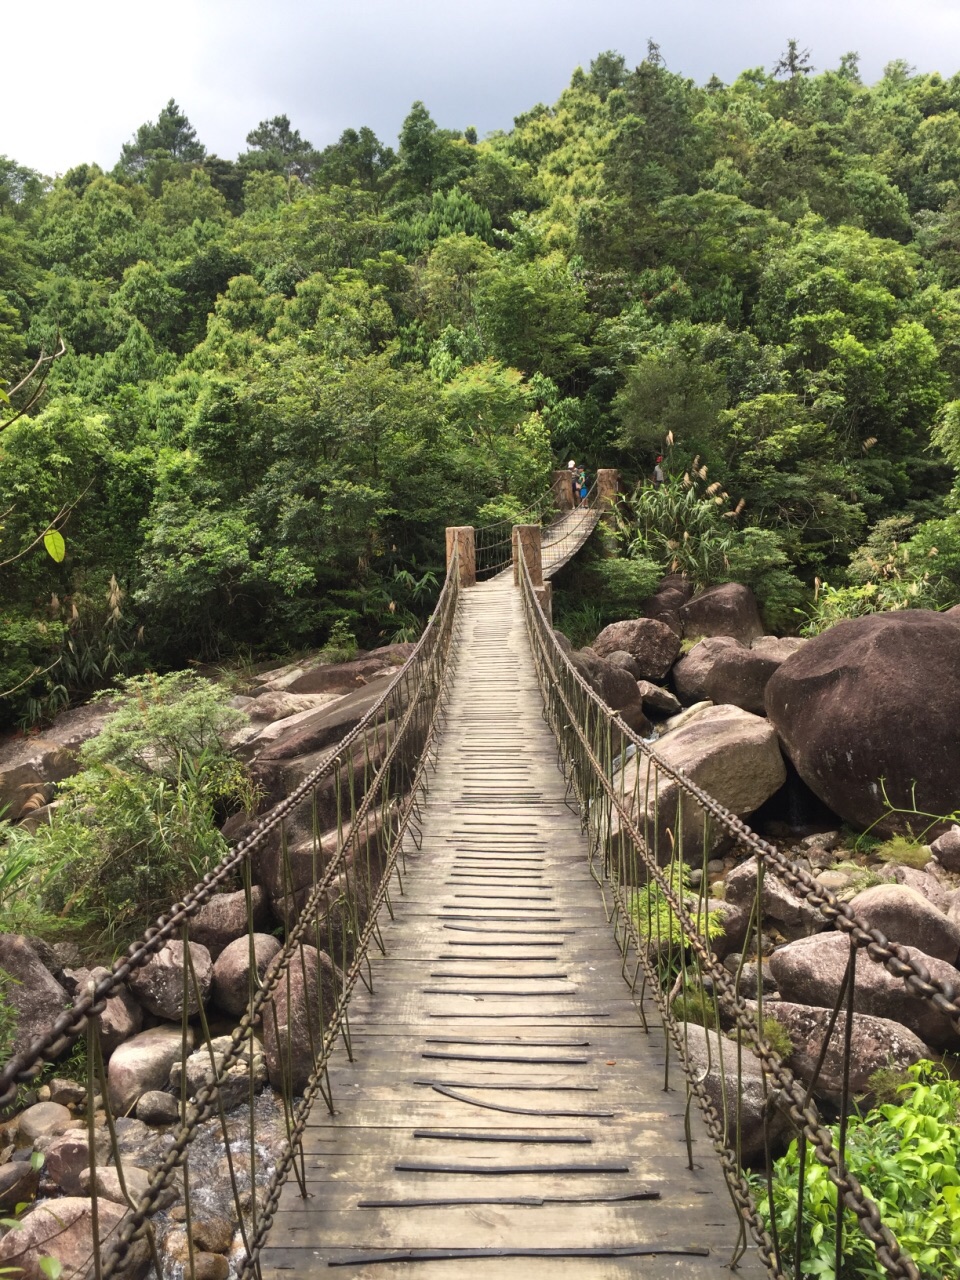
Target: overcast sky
79 77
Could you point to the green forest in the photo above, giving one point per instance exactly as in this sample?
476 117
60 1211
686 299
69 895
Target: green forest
281 376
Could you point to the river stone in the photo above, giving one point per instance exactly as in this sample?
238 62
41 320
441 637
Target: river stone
212 1233
811 971
738 676
620 658
225 918
875 1043
18 1184
904 915
669 598
155 1107
730 753
653 644
685 716
874 698
790 910
615 686
63 1229
107 1180
727 610
924 884
143 1063
159 984
946 849
42 1119
37 997
658 700
236 1087
122 1016
231 972
779 648
67 1156
690 673
293 1010
746 1087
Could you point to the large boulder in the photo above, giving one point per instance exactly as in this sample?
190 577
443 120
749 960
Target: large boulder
904 915
872 705
159 984
730 673
231 971
730 753
811 971
35 995
653 644
780 648
30 765
875 1043
727 610
669 598
68 1155
735 1085
142 1064
691 672
63 1229
224 918
293 1019
620 658
616 686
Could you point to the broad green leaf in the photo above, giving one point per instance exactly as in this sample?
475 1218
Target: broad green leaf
52 1268
55 545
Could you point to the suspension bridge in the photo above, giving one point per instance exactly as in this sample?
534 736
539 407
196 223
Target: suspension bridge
469 1021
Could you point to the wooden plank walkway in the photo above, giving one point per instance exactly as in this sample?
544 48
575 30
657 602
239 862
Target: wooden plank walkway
504 1096
565 536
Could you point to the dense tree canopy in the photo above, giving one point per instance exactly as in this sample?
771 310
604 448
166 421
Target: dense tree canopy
284 374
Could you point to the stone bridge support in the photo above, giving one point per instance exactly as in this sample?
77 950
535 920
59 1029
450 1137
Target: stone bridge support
463 539
561 486
528 543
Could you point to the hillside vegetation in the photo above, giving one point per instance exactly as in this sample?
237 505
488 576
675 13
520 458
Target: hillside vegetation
285 374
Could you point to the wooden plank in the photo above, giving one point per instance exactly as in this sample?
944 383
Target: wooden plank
504 1094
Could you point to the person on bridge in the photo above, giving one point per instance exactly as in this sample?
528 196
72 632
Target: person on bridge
574 487
582 485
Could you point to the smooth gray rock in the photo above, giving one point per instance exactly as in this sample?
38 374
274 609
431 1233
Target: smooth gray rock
728 610
231 971
159 985
143 1063
653 644
905 915
37 997
811 971
225 918
727 1087
63 1229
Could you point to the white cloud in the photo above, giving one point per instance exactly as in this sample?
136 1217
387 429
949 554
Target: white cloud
82 78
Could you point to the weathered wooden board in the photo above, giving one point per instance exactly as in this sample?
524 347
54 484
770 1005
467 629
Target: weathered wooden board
505 1098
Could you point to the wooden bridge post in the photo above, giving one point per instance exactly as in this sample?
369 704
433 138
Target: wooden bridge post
561 486
463 538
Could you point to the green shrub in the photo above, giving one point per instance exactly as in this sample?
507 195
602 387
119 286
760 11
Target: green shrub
906 1154
9 1018
139 823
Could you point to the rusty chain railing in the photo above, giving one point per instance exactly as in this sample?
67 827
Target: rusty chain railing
647 821
329 853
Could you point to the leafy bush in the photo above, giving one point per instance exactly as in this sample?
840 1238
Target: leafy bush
910 853
906 1154
139 822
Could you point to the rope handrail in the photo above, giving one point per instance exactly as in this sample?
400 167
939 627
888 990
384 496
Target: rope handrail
593 740
369 782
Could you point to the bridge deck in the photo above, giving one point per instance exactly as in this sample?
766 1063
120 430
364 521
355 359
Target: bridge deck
504 1095
565 536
